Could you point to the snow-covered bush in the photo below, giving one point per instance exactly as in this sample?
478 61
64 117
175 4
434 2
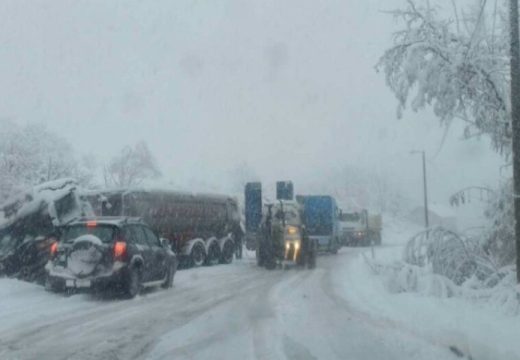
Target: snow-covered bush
448 254
499 237
441 263
498 291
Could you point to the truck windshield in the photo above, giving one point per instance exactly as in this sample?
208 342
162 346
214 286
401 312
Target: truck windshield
105 233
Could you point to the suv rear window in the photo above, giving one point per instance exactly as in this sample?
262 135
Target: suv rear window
104 232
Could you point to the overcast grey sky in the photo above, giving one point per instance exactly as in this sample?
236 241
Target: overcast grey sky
288 87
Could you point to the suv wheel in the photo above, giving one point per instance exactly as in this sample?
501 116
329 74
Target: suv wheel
133 283
168 283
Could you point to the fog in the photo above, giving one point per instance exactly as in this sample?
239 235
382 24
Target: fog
287 88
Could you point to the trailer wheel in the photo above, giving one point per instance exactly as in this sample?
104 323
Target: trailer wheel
228 251
213 257
197 255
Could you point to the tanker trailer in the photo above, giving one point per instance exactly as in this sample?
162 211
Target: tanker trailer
201 228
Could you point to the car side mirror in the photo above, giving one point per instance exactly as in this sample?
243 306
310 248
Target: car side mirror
164 242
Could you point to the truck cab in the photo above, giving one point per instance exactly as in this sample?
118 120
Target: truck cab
283 236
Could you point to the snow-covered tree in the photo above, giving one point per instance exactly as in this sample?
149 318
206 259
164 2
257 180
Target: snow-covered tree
459 66
31 154
131 167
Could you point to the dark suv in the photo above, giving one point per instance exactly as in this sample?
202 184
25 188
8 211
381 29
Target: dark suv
110 252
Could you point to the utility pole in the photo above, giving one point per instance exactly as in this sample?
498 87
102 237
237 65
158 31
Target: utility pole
515 120
425 187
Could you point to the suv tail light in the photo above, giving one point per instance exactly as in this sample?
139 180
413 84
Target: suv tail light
120 250
54 249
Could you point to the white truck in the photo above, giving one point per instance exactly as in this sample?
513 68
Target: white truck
360 228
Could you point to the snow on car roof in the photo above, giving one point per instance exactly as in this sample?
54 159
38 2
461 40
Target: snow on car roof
35 199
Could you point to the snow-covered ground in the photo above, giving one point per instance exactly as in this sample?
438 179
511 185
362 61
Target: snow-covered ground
476 328
337 311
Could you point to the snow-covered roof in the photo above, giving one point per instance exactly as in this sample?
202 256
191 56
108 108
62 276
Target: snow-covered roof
127 190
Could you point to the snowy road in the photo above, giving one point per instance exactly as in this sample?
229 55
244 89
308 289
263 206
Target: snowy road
225 312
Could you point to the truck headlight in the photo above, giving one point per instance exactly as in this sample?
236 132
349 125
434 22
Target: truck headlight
297 245
287 245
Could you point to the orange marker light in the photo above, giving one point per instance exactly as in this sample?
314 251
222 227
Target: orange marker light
119 249
91 223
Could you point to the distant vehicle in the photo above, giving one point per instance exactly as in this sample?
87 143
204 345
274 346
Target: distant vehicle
31 222
320 215
201 229
283 238
361 228
110 252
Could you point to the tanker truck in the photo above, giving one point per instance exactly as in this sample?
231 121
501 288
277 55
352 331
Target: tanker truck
202 229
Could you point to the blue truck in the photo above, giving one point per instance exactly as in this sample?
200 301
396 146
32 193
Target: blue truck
321 218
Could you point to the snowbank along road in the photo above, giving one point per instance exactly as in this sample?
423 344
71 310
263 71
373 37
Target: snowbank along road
225 312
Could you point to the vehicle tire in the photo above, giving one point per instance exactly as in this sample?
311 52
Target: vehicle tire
197 255
213 256
301 258
52 286
311 261
270 263
168 283
132 286
228 251
259 255
238 250
269 259
311 256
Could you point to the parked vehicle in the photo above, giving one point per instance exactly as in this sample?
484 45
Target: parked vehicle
31 222
110 252
320 215
361 228
283 238
201 229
